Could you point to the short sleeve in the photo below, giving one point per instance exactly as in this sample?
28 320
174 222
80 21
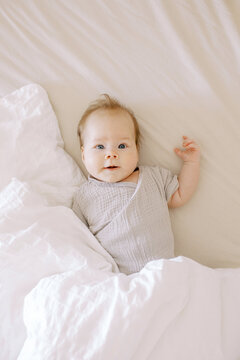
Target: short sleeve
170 182
76 207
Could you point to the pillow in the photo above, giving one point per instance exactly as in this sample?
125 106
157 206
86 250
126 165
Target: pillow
32 148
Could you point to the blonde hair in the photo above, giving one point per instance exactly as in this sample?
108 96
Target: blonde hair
106 102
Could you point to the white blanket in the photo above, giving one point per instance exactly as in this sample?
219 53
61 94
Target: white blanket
58 282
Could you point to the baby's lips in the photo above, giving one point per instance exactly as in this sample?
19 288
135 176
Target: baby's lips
111 167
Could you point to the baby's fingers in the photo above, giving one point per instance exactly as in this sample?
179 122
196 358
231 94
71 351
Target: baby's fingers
179 152
189 143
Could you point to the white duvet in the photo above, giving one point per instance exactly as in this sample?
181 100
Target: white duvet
62 296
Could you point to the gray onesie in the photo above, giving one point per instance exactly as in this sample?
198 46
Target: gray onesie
131 221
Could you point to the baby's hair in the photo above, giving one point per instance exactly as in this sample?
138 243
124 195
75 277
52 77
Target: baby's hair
106 102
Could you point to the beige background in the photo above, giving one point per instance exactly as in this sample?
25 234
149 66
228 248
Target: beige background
175 63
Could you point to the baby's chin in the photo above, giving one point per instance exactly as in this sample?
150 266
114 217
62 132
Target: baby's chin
111 176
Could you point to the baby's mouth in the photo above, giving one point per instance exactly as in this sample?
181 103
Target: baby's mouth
111 167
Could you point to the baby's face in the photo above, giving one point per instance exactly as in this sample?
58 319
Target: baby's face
109 150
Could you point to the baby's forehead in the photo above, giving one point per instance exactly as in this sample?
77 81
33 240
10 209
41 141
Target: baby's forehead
109 117
102 113
112 123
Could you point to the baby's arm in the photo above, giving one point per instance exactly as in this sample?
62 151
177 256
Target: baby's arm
189 174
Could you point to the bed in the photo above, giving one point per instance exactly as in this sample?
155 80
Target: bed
176 64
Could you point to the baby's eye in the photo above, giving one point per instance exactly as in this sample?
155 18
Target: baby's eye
99 147
121 146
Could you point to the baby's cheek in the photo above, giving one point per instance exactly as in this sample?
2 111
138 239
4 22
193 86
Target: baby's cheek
96 164
90 163
134 157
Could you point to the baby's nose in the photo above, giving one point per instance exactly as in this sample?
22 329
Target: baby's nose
111 156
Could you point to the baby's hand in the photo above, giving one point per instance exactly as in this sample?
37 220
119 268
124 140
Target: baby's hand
191 151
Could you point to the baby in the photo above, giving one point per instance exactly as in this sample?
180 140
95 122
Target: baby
125 205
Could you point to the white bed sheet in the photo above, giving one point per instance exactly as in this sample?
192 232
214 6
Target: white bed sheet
176 63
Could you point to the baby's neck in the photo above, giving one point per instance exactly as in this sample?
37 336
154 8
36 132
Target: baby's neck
133 177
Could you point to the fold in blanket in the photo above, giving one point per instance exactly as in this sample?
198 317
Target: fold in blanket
173 309
57 278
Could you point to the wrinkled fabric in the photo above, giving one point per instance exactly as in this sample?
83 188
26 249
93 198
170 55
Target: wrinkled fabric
36 241
175 63
32 147
62 296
